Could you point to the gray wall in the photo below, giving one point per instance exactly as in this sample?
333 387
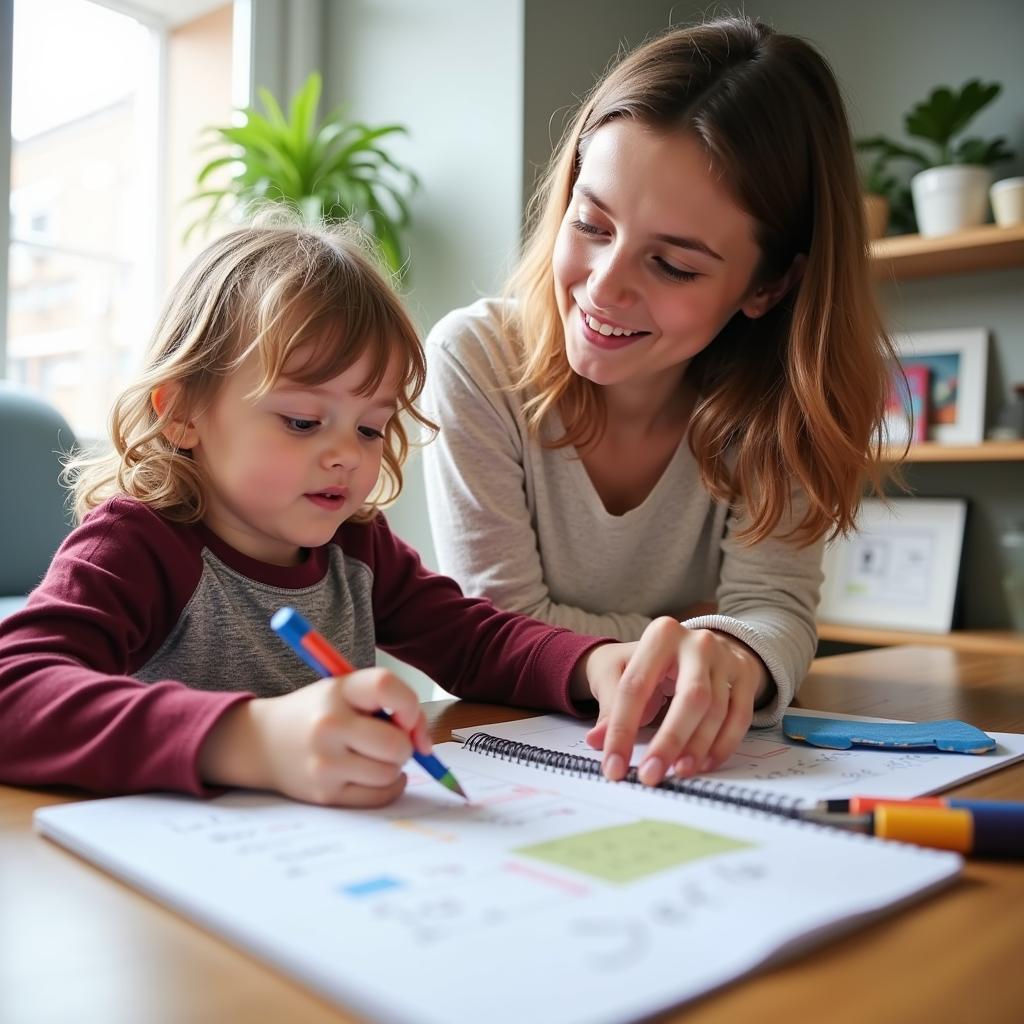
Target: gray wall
451 71
568 44
487 89
286 43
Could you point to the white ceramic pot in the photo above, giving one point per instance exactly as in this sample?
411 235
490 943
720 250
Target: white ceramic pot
1008 201
950 198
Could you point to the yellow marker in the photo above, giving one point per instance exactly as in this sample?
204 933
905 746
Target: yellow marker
945 828
987 829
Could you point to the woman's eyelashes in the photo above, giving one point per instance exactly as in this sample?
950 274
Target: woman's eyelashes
371 433
669 270
584 228
673 272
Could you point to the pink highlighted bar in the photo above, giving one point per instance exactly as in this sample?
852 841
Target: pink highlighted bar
574 888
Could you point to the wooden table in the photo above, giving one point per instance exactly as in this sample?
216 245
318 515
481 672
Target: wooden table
76 945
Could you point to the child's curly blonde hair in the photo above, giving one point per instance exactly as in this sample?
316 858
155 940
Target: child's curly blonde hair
266 290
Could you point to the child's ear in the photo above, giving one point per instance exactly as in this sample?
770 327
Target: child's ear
180 432
766 296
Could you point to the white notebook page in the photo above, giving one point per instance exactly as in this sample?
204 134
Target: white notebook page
546 898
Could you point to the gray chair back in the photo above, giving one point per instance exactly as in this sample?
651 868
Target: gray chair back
34 513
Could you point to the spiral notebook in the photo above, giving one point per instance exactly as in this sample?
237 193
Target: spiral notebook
769 771
547 898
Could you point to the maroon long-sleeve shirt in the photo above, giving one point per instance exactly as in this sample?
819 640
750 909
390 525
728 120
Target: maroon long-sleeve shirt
144 632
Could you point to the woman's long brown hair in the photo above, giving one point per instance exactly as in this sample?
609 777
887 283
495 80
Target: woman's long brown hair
794 399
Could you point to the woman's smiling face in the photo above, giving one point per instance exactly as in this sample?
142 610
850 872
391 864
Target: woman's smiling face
654 255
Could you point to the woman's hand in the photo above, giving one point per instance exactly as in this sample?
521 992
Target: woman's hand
710 680
321 744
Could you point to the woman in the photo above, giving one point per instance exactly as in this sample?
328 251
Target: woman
679 396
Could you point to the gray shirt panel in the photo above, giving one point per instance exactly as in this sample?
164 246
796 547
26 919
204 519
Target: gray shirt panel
223 639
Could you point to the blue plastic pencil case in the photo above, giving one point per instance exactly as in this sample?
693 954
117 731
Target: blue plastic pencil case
842 733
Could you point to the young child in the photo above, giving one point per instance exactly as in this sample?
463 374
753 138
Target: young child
240 480
679 396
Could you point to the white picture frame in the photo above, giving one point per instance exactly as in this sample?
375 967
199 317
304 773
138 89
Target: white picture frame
900 569
958 361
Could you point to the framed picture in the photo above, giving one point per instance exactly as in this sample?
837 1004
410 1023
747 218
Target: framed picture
906 409
900 569
957 364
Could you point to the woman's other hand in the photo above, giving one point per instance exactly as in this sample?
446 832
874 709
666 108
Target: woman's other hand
710 680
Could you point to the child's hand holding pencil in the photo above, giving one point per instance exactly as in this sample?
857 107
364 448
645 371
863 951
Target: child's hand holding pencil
323 743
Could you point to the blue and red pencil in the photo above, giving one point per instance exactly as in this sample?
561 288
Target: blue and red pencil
316 651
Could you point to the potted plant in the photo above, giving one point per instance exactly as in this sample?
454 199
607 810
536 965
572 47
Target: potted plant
950 188
876 187
328 171
887 200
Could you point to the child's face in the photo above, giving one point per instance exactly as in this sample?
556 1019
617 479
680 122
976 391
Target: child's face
284 471
654 243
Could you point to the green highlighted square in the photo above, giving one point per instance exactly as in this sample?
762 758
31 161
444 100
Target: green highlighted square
625 853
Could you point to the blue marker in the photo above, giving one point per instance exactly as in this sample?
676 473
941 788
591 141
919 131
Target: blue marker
314 649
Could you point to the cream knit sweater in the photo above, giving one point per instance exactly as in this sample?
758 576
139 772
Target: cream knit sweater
523 525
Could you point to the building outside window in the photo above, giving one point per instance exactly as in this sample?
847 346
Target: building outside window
106 111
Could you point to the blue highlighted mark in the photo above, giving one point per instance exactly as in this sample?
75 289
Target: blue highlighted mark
371 886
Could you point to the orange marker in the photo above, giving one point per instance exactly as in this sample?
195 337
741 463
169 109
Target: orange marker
863 804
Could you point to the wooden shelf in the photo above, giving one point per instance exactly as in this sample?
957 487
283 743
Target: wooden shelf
902 258
986 641
988 451
990 247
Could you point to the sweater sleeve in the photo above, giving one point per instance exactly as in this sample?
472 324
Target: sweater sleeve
70 711
470 647
476 483
767 598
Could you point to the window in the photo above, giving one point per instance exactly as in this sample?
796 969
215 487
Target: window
82 227
106 110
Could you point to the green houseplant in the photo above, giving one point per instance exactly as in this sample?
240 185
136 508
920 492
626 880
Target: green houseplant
950 184
886 201
326 171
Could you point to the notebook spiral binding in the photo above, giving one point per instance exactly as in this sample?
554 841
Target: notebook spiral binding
577 764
